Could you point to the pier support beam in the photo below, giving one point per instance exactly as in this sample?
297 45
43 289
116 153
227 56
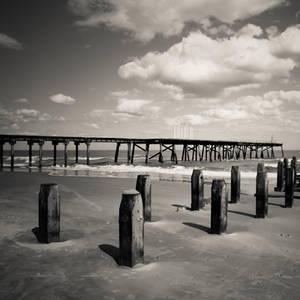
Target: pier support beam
54 143
88 152
160 158
12 154
76 151
1 155
41 143
147 153
128 152
30 143
66 153
132 153
131 229
117 152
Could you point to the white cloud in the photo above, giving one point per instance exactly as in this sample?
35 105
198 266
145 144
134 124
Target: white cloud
21 100
272 31
131 107
9 42
92 125
62 99
144 19
201 63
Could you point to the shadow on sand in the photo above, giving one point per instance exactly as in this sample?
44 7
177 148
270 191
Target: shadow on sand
198 226
112 251
241 213
275 204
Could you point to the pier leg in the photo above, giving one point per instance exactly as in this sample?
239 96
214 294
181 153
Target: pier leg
132 152
219 204
88 152
147 153
183 153
49 214
12 154
279 186
117 152
41 143
256 152
54 143
131 229
66 153
143 185
76 151
289 188
210 153
1 155
161 158
215 152
282 153
197 190
235 184
294 168
261 192
128 153
272 152
30 143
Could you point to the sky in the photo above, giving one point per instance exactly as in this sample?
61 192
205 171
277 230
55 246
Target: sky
141 68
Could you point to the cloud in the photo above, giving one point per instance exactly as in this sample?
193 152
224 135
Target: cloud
201 63
62 99
9 42
92 125
144 19
21 100
131 107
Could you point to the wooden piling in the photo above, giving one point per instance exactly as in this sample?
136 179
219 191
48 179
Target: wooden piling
143 186
261 192
147 153
132 153
160 158
30 143
12 154
279 186
41 143
219 204
289 188
197 190
117 152
88 152
1 155
54 143
76 151
235 184
128 152
66 153
49 213
131 229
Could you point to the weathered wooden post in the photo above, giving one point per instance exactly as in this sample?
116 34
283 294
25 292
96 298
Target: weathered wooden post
88 143
49 213
76 151
143 185
197 190
54 144
289 188
1 155
219 204
117 152
30 143
12 154
261 192
131 229
294 168
279 186
235 184
128 152
41 143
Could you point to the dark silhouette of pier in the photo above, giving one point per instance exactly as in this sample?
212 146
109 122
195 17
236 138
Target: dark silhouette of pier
191 149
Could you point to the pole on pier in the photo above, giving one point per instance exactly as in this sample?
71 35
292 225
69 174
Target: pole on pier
261 192
219 204
54 143
88 143
197 190
117 152
49 214
131 229
41 143
30 143
1 155
160 158
289 188
128 152
76 151
294 168
12 154
280 171
235 184
143 185
66 153
147 153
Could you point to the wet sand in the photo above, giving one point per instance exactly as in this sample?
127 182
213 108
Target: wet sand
255 259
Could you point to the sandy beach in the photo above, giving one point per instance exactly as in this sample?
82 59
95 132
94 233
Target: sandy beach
255 259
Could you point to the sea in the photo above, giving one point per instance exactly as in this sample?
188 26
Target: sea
102 165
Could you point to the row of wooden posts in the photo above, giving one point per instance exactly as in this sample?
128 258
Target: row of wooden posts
135 207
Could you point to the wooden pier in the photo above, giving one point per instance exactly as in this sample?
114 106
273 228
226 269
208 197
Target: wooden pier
191 149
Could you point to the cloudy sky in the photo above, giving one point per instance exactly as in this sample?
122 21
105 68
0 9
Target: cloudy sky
137 68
